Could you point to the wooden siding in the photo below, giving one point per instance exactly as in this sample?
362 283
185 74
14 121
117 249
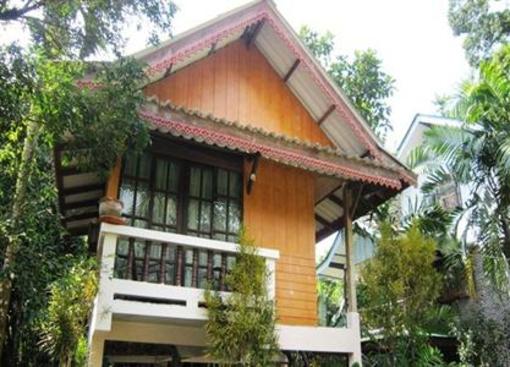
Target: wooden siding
279 213
237 83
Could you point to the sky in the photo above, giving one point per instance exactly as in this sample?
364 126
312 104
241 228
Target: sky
412 37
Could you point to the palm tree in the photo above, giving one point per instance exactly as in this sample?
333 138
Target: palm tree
477 154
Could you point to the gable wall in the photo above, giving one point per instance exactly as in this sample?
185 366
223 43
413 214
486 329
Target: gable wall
279 214
237 83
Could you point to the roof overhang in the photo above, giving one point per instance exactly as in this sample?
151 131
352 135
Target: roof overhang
78 193
373 182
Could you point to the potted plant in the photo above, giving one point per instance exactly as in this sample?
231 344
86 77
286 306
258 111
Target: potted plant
110 210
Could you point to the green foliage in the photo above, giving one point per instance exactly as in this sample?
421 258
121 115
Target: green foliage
401 287
104 120
45 248
304 359
241 327
321 45
330 302
483 341
80 28
484 26
64 327
362 79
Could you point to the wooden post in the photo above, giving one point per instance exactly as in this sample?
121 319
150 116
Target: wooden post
349 275
113 183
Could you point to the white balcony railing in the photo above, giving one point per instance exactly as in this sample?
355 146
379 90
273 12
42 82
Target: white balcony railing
152 274
145 286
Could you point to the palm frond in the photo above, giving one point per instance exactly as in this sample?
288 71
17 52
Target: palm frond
435 179
503 155
419 156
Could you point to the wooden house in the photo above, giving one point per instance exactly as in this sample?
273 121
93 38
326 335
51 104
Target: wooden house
246 127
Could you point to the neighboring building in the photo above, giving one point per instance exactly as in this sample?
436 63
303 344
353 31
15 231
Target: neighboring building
333 265
246 129
450 195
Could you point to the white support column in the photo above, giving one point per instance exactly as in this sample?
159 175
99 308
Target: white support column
353 325
102 314
271 278
96 351
352 305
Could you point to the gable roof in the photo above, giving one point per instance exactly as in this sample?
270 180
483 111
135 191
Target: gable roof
260 24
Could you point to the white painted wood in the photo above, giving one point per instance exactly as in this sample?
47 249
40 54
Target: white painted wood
271 278
102 312
304 338
186 301
179 239
318 339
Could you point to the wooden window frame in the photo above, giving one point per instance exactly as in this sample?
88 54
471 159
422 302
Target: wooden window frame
187 155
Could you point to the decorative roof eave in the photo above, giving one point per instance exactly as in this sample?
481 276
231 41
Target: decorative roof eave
193 125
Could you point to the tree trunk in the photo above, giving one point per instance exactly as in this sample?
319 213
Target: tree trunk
14 242
66 359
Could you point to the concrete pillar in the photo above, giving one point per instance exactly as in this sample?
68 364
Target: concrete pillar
353 324
96 351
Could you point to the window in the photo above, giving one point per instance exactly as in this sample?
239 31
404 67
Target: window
176 195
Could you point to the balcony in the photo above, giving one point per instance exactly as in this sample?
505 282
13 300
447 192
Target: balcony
151 291
159 275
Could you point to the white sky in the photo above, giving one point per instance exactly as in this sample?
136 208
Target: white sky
412 37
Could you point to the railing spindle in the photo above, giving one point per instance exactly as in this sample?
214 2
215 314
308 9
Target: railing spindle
162 274
210 256
147 249
129 267
178 272
194 273
223 270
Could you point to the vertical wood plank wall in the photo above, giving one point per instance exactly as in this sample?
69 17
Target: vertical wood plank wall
279 213
237 83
